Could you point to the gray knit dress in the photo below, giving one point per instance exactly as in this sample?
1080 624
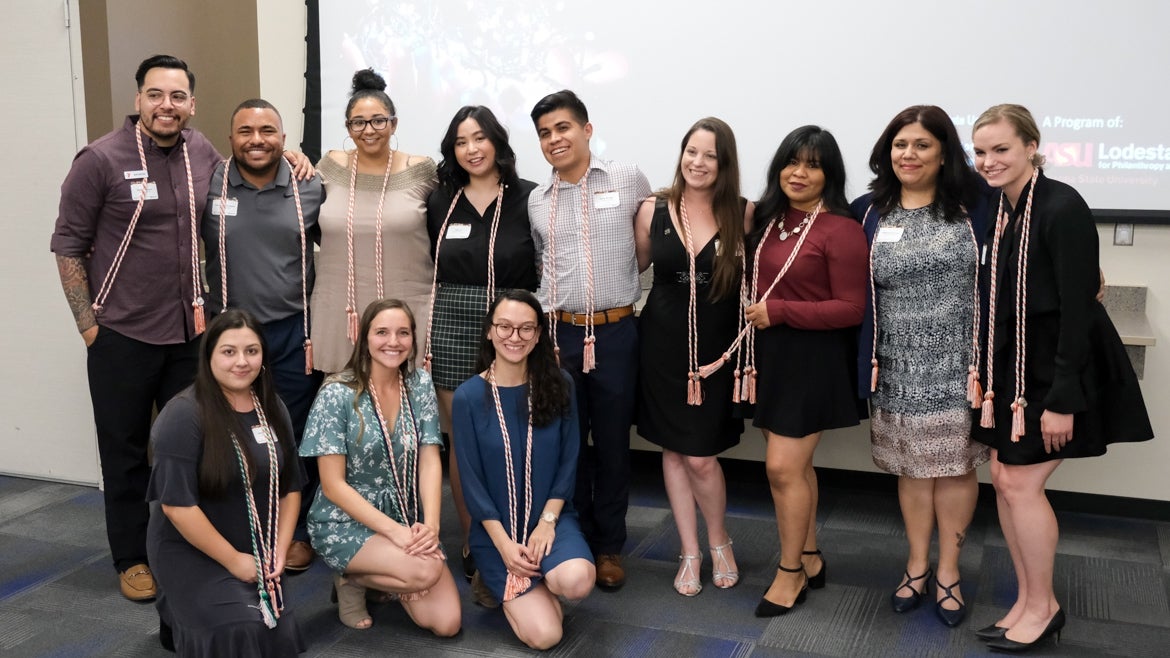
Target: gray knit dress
924 281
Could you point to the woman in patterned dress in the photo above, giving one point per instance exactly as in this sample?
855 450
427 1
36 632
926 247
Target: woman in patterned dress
374 429
924 249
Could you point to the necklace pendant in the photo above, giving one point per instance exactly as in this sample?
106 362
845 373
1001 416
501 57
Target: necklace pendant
796 230
783 235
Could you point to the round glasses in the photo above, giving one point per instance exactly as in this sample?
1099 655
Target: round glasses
377 123
504 330
156 97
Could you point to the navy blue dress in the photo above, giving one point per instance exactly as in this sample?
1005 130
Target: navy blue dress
482 472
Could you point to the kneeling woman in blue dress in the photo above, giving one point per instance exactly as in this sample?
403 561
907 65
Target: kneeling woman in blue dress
517 454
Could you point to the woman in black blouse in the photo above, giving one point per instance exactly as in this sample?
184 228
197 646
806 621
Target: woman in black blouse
480 208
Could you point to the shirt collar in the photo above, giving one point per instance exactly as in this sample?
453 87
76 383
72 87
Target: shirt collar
148 141
594 163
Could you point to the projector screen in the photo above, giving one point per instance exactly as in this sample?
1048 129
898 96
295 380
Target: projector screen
1091 72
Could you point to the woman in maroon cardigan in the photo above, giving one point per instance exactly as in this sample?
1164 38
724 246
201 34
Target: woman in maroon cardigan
809 277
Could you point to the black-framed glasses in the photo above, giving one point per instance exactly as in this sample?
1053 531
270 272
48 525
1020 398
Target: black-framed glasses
377 123
504 330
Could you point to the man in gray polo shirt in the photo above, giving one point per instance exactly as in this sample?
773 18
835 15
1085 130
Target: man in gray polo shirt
268 269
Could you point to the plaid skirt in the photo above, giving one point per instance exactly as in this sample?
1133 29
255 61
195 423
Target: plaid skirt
456 333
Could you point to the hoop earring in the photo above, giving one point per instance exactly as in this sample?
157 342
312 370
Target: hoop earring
350 140
393 142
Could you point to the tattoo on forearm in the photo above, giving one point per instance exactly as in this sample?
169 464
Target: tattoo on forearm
75 282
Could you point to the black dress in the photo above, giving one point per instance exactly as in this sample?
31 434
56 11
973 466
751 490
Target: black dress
211 612
664 417
1075 361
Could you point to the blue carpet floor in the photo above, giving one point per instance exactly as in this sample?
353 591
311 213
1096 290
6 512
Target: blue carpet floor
59 595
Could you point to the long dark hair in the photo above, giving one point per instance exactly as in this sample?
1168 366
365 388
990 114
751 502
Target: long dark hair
546 384
957 184
359 360
451 175
816 145
725 203
218 466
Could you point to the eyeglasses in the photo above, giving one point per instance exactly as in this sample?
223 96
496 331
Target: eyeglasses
156 97
377 123
504 331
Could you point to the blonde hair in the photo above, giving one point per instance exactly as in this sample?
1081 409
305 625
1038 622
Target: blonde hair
1020 118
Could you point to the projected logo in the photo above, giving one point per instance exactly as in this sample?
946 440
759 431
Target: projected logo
1069 154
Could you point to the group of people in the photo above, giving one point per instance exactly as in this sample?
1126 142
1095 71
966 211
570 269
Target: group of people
305 414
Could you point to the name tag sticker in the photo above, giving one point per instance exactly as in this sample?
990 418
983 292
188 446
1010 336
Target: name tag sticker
889 234
136 191
137 173
458 231
230 208
603 200
259 434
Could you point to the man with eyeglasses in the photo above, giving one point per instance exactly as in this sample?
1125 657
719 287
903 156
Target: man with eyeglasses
127 254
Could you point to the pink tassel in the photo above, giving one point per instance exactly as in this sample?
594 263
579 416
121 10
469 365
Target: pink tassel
735 397
974 389
427 363
589 357
987 419
1018 419
752 387
713 367
351 317
873 376
515 586
308 357
694 390
746 384
200 319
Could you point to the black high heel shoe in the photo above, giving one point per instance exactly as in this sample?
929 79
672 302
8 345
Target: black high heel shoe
817 581
1012 646
949 617
992 632
908 603
768 609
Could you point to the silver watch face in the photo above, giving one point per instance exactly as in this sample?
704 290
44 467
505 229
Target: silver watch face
548 517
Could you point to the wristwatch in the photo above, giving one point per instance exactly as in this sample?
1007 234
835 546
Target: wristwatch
549 517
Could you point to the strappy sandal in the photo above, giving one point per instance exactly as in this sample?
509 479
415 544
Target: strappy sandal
817 581
949 617
687 581
908 603
351 603
721 570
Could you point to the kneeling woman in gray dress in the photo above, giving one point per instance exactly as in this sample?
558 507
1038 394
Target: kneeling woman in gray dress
924 220
518 446
374 429
216 545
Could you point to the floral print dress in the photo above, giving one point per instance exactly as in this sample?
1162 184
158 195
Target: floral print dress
334 428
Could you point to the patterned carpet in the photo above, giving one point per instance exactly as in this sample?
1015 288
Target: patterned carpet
59 597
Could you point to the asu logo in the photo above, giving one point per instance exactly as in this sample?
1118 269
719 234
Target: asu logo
1069 154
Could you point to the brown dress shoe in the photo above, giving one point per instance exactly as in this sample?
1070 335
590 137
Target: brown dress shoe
138 583
300 556
610 574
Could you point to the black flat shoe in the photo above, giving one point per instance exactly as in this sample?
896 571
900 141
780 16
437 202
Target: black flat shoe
1003 644
768 609
949 617
991 632
907 603
817 581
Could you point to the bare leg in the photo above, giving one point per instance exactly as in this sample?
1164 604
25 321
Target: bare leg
787 461
1009 535
1036 530
811 563
710 492
916 498
381 565
682 505
445 397
572 579
536 617
439 611
954 506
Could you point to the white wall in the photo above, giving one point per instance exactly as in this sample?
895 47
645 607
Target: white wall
281 38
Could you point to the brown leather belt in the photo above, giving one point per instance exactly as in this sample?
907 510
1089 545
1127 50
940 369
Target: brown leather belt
600 317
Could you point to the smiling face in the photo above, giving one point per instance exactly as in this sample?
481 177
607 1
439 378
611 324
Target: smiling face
389 340
1003 158
257 140
236 360
371 142
164 104
917 157
509 322
565 143
474 151
803 181
700 160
